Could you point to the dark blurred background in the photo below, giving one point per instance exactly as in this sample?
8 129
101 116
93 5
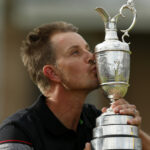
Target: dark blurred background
18 17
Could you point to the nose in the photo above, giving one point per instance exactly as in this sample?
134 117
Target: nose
91 62
91 58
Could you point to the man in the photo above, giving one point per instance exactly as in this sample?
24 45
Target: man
60 63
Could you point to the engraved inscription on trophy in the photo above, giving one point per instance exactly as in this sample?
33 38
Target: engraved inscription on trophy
113 70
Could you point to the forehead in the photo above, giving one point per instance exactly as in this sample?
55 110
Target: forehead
63 41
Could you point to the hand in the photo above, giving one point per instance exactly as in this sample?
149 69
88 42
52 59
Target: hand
87 146
121 106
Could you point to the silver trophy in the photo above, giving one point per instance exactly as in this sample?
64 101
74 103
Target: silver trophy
113 69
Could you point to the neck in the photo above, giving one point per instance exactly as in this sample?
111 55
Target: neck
66 105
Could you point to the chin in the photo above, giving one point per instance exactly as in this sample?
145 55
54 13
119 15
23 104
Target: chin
94 86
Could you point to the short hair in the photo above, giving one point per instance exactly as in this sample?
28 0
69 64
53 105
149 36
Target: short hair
37 51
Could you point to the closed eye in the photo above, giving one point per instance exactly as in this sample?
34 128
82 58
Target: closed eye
75 52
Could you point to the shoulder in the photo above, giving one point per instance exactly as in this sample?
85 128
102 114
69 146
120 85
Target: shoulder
11 130
23 126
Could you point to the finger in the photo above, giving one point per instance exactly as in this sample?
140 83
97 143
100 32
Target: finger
87 146
129 111
135 121
119 102
118 108
104 109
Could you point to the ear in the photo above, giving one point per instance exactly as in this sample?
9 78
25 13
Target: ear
50 72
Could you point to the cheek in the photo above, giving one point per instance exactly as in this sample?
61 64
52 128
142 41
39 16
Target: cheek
74 71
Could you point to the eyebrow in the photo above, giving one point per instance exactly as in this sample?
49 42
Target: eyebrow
76 46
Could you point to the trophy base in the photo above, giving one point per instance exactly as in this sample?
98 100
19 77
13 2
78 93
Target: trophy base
112 118
112 131
115 130
116 143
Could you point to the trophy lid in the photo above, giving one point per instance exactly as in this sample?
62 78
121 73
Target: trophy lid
111 42
111 39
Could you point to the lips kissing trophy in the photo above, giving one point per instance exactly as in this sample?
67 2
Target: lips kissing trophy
113 69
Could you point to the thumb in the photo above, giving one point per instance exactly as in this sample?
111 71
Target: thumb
87 146
104 109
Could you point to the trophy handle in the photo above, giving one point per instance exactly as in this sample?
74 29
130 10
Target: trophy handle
130 6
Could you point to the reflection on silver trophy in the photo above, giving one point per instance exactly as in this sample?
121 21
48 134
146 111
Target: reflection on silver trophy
113 69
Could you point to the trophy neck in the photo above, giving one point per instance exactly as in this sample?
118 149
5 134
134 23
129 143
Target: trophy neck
110 31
